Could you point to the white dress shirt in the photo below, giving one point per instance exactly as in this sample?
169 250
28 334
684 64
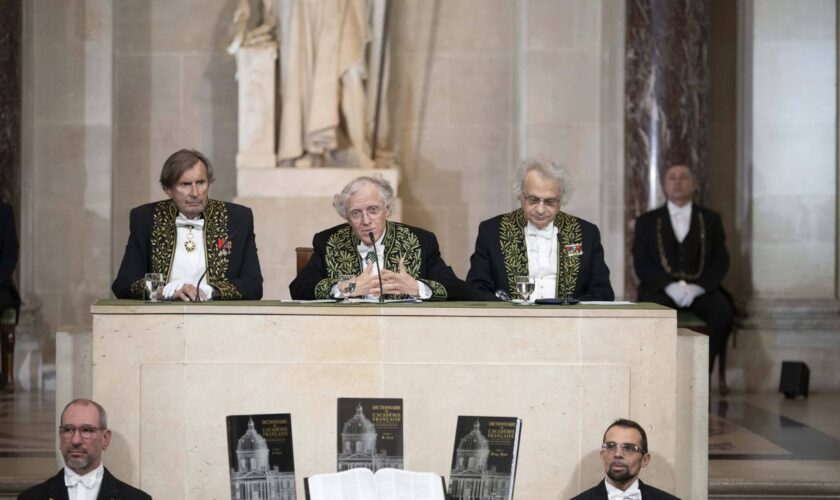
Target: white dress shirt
680 219
542 260
187 267
83 487
631 493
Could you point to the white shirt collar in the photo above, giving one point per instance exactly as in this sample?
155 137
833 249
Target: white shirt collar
612 490
673 209
94 478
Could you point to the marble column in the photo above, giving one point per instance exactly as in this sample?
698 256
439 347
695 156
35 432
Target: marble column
665 101
255 71
10 100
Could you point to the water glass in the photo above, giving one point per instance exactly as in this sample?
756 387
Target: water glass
525 286
346 286
154 286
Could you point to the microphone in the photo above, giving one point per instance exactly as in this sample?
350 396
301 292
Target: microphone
219 249
378 271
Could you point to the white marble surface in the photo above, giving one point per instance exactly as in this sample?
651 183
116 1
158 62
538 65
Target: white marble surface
255 71
568 372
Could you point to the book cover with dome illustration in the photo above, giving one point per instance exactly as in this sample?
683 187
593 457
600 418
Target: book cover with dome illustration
484 458
370 433
260 456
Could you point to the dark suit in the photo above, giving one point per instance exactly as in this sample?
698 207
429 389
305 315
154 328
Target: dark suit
9 297
599 492
336 255
702 259
110 489
233 267
501 254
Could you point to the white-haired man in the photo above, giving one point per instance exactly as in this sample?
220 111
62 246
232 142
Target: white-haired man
409 257
562 252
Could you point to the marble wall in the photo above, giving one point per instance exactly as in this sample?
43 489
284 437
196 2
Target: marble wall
793 149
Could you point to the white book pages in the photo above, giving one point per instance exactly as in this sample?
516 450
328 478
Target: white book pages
394 484
354 484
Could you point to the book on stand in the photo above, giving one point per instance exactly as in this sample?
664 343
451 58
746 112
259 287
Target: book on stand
484 458
370 433
385 484
260 456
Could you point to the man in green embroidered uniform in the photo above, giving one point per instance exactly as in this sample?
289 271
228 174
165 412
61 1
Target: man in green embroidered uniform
204 248
680 257
562 252
408 257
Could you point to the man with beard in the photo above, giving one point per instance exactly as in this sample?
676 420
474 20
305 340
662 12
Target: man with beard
84 435
624 452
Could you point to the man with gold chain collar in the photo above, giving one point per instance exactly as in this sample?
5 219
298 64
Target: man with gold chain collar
680 257
409 257
561 251
205 248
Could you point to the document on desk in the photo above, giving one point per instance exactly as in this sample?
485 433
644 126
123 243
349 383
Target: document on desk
375 300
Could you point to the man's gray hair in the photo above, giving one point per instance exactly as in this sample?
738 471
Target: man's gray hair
103 417
386 192
549 169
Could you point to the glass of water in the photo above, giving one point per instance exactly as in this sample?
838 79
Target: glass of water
525 287
346 286
154 286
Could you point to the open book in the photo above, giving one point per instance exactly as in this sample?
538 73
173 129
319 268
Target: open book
386 484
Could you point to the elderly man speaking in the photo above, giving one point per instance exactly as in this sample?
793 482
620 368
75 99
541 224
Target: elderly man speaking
408 257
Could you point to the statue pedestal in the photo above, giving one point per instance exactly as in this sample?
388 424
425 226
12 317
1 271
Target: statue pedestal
290 205
255 71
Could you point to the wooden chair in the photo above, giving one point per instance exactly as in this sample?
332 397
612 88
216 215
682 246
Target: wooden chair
303 255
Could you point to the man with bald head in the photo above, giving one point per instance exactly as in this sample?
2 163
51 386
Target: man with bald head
83 435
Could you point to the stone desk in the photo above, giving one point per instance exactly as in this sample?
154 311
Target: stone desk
169 373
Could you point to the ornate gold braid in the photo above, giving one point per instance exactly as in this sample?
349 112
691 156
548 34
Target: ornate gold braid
162 242
342 257
515 251
568 266
660 246
217 260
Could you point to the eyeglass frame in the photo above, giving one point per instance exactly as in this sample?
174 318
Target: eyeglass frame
371 211
536 200
70 431
612 447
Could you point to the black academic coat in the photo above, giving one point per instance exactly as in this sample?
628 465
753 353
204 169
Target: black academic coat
233 267
599 492
110 489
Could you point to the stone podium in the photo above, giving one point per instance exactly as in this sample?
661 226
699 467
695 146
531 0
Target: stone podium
170 373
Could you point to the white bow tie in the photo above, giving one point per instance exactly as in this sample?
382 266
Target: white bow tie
626 495
546 233
364 249
72 479
184 222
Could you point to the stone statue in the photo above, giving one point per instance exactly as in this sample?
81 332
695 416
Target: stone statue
260 35
323 74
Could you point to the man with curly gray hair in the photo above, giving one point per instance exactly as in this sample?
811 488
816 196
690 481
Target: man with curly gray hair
408 257
563 253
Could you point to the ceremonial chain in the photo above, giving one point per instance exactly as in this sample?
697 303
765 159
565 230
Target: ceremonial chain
189 245
664 260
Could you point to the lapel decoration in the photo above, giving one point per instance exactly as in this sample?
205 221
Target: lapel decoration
515 251
663 259
164 236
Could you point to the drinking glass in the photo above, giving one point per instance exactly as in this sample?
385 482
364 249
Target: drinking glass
154 285
525 287
346 286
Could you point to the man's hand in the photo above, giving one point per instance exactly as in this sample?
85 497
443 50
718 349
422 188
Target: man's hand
187 293
677 291
367 283
399 283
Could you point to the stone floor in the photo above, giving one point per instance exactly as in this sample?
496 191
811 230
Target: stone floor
761 446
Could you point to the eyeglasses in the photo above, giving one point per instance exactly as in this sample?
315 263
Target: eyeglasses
611 447
372 211
549 202
85 431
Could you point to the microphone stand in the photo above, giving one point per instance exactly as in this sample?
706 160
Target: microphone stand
195 298
378 270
